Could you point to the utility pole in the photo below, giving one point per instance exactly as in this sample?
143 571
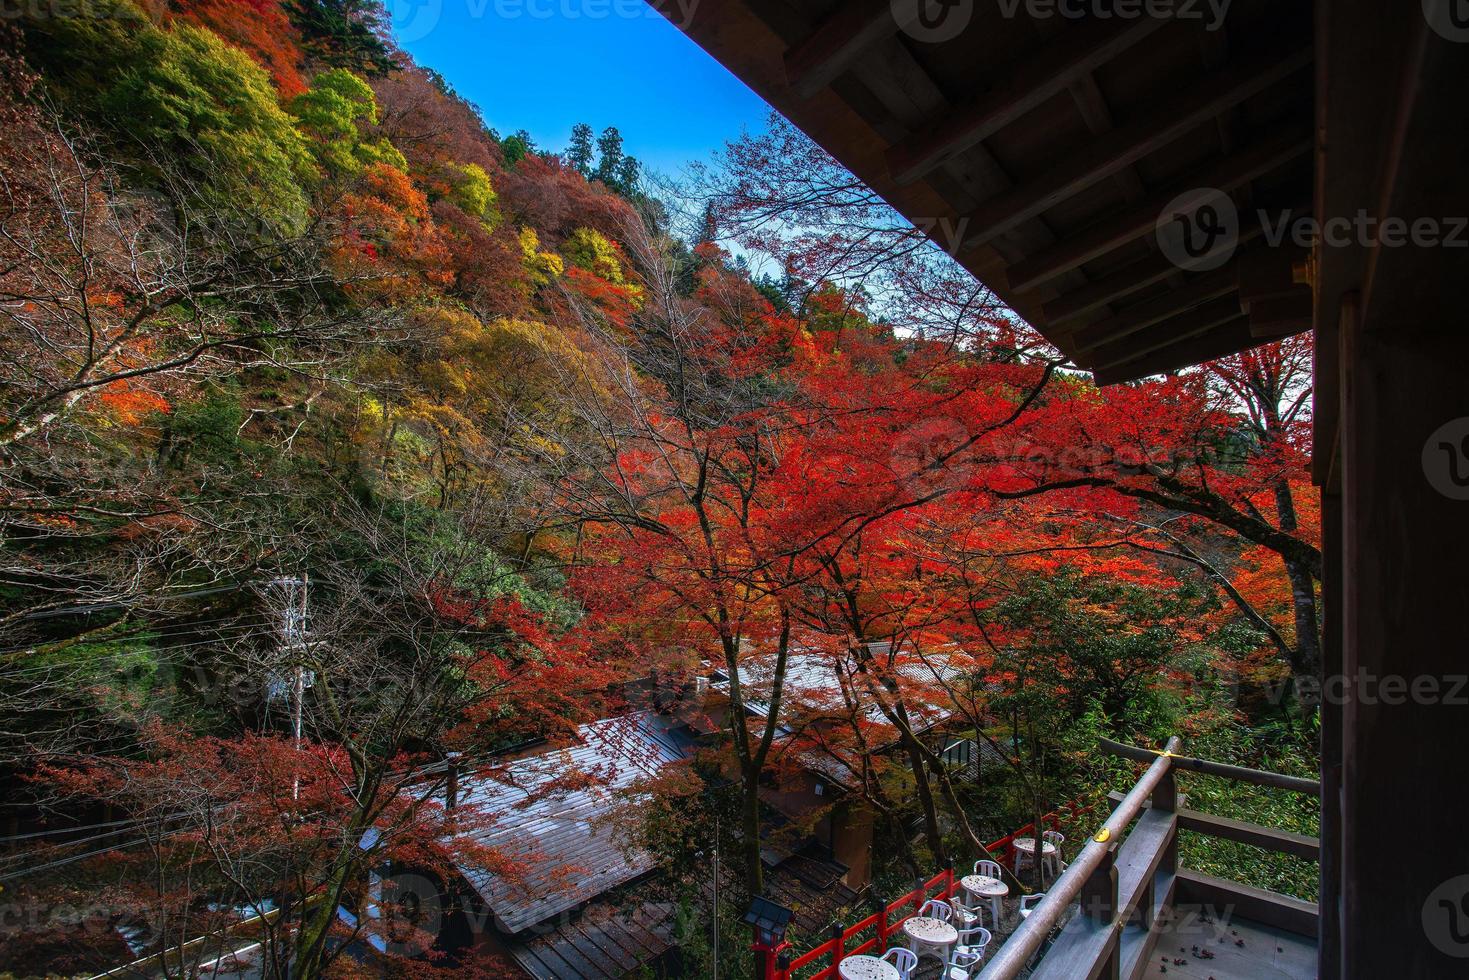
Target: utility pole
715 970
293 646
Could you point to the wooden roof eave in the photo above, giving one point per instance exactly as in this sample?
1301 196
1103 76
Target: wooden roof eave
864 96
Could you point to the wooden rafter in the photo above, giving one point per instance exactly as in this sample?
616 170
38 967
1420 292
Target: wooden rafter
1280 147
841 39
1122 147
1192 323
1075 53
1208 286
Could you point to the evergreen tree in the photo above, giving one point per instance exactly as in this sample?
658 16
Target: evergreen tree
517 147
343 34
628 174
579 153
609 146
708 232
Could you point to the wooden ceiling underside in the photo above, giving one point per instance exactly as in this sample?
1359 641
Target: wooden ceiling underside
1047 148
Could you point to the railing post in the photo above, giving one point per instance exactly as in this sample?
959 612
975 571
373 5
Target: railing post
838 940
949 880
920 894
1165 798
1165 794
1098 897
783 967
880 906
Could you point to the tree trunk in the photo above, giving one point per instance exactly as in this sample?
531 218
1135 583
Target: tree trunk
750 827
1307 659
925 798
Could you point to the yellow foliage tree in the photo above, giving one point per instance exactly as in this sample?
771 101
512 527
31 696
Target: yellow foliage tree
541 266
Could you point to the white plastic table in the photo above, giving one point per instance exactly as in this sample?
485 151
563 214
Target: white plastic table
929 935
1026 845
863 967
983 888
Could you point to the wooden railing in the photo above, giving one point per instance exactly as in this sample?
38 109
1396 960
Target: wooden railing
871 935
1122 881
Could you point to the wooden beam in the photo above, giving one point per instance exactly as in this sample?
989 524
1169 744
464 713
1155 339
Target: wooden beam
840 40
1127 145
1124 282
1240 831
1269 273
1079 50
1210 285
1114 286
1228 339
1240 774
1281 316
1283 145
1192 323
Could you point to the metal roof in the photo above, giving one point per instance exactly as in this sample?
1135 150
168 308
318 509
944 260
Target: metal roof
814 678
556 816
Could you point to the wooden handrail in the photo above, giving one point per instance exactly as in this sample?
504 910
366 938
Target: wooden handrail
1242 832
1239 774
1013 956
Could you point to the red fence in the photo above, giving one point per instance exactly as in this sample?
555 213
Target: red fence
872 933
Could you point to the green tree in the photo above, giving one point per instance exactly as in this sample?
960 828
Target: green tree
185 94
333 113
517 146
629 172
579 153
343 34
589 249
609 150
474 193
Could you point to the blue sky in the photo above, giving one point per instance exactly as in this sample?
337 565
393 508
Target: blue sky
545 65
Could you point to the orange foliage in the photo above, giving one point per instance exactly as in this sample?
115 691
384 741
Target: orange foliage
130 404
389 247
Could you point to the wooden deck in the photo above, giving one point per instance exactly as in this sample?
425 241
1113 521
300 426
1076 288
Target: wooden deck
1242 950
1186 933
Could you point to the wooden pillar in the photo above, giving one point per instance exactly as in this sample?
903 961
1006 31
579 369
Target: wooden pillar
1404 714
1329 965
1394 147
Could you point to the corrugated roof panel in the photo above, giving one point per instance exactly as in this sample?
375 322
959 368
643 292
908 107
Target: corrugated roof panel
556 813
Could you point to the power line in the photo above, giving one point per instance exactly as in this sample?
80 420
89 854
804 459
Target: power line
68 830
102 606
83 662
162 630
